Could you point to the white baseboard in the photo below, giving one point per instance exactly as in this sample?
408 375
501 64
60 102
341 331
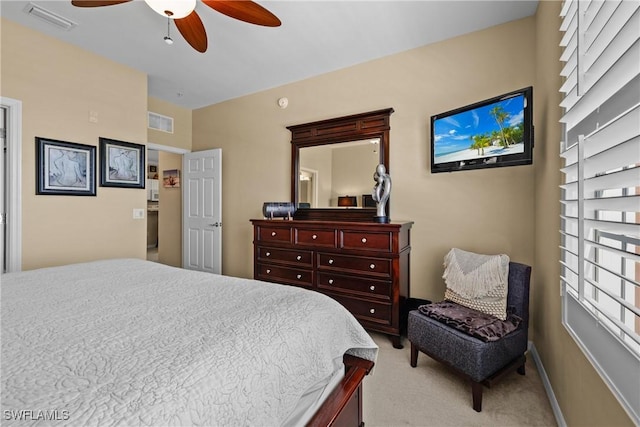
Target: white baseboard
557 412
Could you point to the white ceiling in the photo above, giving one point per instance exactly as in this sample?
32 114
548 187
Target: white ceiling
315 37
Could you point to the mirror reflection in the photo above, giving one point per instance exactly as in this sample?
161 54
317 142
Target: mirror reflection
338 175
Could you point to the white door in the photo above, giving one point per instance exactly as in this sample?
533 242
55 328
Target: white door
202 211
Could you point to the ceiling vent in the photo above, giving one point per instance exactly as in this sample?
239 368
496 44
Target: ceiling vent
159 122
50 17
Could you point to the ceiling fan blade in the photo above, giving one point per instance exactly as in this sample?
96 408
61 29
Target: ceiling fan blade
193 31
97 3
245 10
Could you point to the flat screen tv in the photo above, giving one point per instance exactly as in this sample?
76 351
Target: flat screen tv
491 133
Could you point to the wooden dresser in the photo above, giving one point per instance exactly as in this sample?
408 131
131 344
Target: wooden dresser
362 265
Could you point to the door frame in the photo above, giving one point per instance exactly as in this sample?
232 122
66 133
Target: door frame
168 149
314 185
13 140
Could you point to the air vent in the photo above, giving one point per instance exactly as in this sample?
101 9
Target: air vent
49 17
159 122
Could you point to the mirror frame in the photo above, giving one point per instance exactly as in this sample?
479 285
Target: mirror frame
374 124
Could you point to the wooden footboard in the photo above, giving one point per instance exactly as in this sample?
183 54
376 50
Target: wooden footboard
343 407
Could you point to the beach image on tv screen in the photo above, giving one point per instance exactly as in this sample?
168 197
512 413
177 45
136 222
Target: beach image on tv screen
488 131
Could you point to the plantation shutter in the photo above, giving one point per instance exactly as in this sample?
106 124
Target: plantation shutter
600 231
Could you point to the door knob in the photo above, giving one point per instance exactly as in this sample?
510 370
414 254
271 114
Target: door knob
216 224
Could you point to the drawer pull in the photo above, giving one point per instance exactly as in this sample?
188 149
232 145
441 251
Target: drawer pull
330 261
273 233
314 237
299 276
373 288
364 240
268 254
268 271
372 310
372 266
331 281
299 257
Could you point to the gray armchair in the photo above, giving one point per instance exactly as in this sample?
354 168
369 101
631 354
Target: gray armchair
481 362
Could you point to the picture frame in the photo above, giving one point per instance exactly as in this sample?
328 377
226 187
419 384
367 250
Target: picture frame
171 178
65 168
121 164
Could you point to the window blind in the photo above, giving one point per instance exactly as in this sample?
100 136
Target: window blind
600 197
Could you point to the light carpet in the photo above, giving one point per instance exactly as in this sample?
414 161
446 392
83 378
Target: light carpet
430 394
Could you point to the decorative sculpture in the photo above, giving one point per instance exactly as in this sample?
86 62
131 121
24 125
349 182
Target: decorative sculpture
381 192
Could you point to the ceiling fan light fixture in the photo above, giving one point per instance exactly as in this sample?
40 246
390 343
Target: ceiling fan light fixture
174 9
168 40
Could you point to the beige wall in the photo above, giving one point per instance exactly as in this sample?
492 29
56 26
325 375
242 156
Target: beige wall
489 211
182 124
59 84
170 214
582 395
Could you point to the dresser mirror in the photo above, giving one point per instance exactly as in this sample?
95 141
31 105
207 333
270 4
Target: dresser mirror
333 162
332 175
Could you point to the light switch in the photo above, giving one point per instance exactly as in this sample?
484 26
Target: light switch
138 214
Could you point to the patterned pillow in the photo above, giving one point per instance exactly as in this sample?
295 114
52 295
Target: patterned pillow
477 281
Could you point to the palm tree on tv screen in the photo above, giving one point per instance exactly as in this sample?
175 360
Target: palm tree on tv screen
479 142
500 116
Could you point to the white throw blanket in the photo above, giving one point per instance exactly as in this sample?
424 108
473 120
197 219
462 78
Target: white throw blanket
474 275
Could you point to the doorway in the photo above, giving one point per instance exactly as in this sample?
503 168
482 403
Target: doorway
164 206
153 204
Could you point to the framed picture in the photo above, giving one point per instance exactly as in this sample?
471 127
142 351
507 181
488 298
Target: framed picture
65 168
171 178
121 164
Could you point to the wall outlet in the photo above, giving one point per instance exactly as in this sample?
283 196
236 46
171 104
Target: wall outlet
138 214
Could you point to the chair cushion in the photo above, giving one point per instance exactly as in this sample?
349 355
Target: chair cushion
477 281
473 322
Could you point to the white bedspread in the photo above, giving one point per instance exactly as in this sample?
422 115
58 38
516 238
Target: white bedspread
130 342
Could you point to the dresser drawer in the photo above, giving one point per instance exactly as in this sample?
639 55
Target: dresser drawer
293 276
315 237
369 311
366 240
373 266
361 286
293 257
274 234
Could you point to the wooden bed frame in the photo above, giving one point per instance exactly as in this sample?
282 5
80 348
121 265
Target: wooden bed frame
343 407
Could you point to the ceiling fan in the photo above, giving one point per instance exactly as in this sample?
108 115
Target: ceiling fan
183 13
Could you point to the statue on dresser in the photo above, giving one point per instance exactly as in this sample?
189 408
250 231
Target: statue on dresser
381 192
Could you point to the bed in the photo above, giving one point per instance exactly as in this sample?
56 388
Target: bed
130 342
